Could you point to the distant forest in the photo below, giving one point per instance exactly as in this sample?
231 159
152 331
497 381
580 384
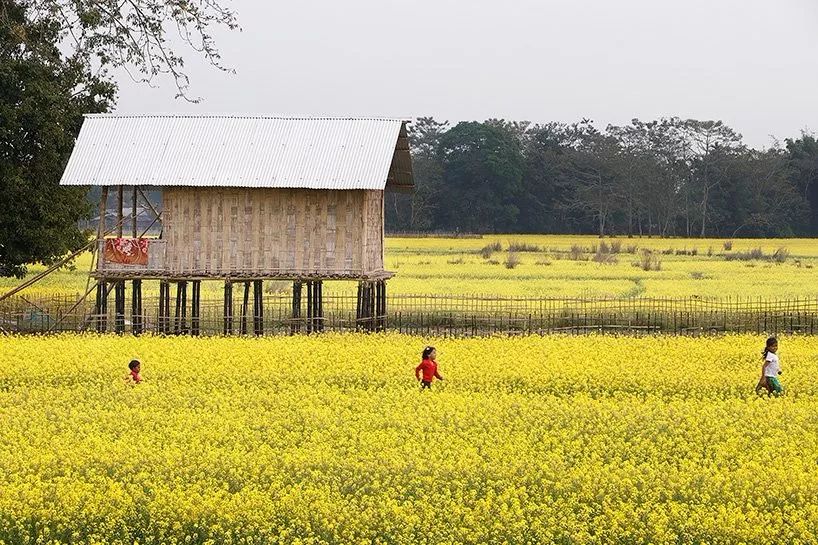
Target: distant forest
669 177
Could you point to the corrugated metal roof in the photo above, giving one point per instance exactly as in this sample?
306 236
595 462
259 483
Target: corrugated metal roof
239 151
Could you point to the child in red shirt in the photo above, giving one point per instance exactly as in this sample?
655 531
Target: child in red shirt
429 368
135 366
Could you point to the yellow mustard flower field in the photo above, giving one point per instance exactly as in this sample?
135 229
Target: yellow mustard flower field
327 439
558 266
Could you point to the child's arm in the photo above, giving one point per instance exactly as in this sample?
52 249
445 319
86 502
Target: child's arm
764 369
417 371
438 375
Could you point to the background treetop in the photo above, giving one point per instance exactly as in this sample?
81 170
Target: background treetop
146 38
664 177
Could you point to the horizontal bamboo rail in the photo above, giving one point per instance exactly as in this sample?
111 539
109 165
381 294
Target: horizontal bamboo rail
435 314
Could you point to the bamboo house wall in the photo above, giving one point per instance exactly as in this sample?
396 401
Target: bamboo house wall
287 232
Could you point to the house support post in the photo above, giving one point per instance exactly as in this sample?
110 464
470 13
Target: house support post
381 305
385 306
119 307
372 312
136 307
377 306
295 326
244 308
366 305
164 307
228 308
318 314
160 319
180 323
358 307
315 306
309 306
177 314
101 308
258 307
195 308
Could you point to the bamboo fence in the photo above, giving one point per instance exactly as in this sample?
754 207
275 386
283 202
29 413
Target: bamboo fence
436 315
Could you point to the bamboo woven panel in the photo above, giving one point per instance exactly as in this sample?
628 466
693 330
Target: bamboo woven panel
268 231
352 237
373 230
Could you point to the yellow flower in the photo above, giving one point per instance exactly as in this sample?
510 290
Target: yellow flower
324 440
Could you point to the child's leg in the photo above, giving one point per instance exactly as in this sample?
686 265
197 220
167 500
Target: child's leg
775 386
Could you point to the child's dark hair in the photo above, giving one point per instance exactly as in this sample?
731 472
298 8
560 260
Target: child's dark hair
770 342
428 351
133 364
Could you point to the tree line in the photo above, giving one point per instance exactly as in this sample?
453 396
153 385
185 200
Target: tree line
667 177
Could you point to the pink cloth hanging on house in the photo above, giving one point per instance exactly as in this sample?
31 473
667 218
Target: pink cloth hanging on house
126 251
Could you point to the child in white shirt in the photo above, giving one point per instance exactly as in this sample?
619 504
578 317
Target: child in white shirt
770 369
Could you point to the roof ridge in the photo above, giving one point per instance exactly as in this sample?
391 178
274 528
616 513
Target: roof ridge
248 116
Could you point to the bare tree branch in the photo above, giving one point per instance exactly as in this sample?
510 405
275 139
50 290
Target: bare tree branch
138 35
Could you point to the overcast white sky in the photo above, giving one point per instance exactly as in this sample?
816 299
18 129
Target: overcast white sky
751 63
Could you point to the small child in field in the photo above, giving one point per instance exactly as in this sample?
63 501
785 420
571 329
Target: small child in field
428 366
770 370
134 377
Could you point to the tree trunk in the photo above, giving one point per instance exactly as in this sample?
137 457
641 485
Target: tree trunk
630 218
704 210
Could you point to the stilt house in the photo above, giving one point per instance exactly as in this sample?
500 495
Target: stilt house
244 199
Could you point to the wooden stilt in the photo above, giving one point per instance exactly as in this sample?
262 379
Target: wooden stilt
359 305
119 307
363 321
136 307
376 304
378 295
195 297
315 289
364 305
258 308
101 310
104 307
177 315
228 307
258 312
296 310
368 306
309 306
383 305
141 309
371 307
244 308
319 306
160 319
182 286
164 317
97 305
